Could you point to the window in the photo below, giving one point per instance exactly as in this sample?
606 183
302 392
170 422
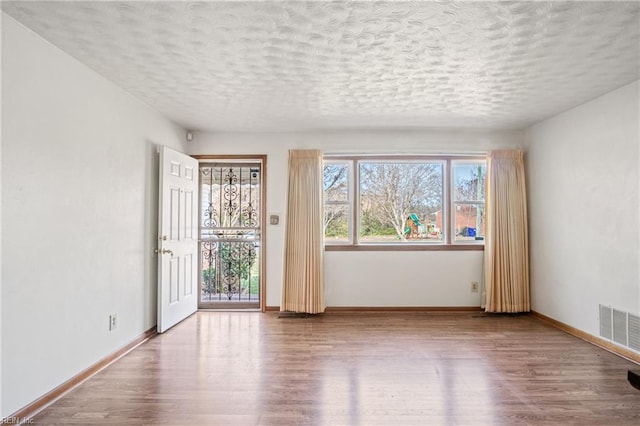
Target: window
399 200
468 200
337 201
413 201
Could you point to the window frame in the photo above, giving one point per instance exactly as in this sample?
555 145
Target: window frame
454 202
448 242
349 203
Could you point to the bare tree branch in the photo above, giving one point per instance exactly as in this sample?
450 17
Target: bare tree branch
390 192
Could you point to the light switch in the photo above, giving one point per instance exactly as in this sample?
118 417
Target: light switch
274 219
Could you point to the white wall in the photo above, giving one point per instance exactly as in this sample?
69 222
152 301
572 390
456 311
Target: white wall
79 221
366 278
433 278
583 209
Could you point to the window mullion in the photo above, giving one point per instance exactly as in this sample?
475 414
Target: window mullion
355 201
447 204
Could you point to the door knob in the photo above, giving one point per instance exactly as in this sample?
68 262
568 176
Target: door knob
163 251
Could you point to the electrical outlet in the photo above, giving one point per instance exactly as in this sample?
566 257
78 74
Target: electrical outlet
113 322
474 287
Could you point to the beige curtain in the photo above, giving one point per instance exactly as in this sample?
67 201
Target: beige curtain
303 286
506 254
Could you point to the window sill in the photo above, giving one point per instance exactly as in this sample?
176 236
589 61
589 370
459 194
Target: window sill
404 247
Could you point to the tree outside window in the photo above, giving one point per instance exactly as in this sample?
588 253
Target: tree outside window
398 200
336 201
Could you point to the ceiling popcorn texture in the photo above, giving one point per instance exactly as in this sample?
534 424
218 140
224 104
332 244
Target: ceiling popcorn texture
292 65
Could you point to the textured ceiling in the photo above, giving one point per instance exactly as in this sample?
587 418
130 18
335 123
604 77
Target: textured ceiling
273 66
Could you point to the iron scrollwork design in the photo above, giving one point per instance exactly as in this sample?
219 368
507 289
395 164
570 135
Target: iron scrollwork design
231 201
230 189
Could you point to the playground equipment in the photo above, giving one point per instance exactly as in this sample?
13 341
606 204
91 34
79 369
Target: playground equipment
415 229
412 226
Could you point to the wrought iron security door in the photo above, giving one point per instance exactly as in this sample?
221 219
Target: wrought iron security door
230 226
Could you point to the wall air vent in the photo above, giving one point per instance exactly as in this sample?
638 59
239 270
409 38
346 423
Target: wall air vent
606 322
634 332
620 327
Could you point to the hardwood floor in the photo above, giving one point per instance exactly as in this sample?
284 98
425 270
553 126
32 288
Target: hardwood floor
409 368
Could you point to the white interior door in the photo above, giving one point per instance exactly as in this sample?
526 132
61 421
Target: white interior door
178 238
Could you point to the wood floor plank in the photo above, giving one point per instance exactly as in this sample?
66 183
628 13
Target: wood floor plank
362 368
